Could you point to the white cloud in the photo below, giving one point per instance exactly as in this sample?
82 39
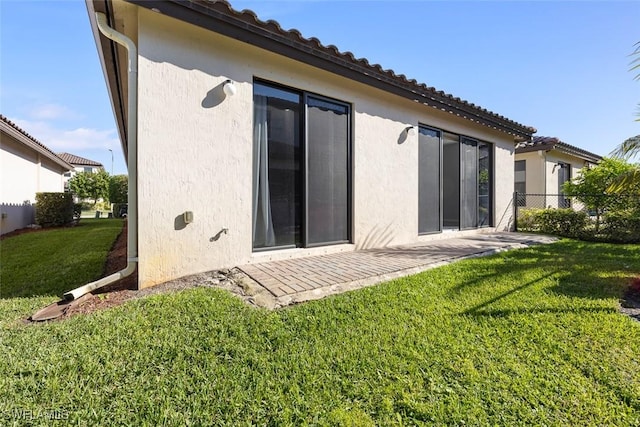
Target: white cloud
51 112
70 140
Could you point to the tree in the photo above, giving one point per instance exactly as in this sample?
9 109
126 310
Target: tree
629 148
628 182
118 188
90 185
635 66
591 187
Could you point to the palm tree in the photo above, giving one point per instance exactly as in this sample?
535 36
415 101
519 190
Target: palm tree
631 146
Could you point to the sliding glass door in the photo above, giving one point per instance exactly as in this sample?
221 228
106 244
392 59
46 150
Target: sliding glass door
451 181
468 183
429 180
327 171
455 181
484 184
301 158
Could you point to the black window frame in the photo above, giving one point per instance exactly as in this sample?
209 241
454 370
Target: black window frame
440 148
303 129
492 168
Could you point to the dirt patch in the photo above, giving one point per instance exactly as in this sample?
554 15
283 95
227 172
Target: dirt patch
232 280
630 303
36 229
115 294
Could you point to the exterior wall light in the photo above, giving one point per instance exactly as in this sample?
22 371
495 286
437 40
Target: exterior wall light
411 131
229 88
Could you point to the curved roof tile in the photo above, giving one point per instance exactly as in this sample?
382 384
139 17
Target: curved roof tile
53 156
248 20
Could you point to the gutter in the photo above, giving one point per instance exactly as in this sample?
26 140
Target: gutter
132 164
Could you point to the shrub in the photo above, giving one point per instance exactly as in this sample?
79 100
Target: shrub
77 210
563 222
54 209
118 188
116 209
621 226
529 219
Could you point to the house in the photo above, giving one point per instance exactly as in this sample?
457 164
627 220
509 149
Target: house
26 167
254 143
543 166
80 164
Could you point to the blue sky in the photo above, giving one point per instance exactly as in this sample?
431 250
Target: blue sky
561 67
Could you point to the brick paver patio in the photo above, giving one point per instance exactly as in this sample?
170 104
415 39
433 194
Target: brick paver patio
299 275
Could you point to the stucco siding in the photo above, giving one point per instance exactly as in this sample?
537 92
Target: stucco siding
23 173
195 151
19 167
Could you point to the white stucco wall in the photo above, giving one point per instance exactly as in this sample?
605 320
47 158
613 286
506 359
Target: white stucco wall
195 151
542 175
23 173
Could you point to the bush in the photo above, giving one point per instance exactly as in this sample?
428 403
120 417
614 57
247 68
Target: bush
116 209
621 226
562 222
118 188
77 211
529 219
54 209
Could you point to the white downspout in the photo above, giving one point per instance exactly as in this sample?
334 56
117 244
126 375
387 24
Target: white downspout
132 161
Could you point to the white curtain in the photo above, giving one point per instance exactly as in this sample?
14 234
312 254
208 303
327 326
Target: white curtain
263 233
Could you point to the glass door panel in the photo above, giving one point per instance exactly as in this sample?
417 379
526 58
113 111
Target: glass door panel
327 171
468 183
429 158
277 175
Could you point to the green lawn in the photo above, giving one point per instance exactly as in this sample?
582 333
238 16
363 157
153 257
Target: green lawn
528 337
50 262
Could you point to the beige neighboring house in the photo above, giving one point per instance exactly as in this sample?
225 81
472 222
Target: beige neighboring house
80 164
275 146
543 166
27 167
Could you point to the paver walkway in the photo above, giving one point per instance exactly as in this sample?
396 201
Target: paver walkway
315 276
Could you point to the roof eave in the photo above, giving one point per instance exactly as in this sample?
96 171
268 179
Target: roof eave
107 53
200 13
20 137
562 148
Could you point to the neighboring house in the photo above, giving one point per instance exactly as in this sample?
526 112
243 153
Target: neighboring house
276 146
26 167
543 166
80 164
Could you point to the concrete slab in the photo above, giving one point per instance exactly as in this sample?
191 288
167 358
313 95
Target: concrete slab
303 279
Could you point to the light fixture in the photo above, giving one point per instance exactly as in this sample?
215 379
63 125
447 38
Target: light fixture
411 131
229 88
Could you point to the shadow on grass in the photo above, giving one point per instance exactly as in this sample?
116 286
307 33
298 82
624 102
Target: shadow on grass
581 271
54 261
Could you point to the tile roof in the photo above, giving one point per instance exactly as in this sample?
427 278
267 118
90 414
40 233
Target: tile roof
548 143
77 160
27 139
219 16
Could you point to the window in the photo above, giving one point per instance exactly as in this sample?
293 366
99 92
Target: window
301 169
520 181
88 169
564 175
67 174
455 181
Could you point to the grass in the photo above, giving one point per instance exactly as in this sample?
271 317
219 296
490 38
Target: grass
50 262
528 337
